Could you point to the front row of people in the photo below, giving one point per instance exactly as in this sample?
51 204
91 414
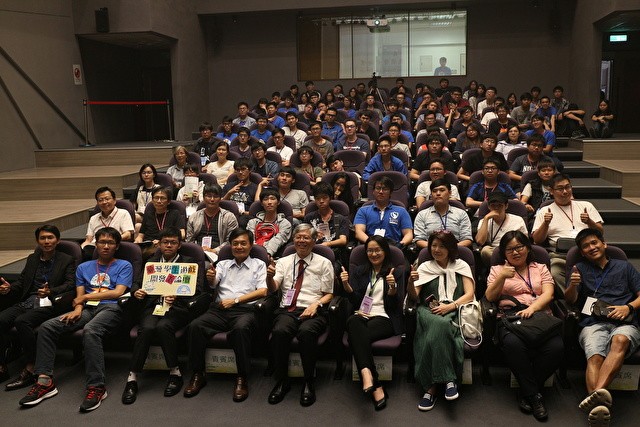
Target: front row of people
306 282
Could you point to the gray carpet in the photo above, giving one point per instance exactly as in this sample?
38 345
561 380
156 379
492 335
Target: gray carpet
339 403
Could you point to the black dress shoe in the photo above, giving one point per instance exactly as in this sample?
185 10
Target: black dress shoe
379 405
198 380
537 406
25 379
279 392
130 392
525 406
174 385
308 395
241 390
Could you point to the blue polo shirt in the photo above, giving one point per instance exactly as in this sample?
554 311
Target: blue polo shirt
393 221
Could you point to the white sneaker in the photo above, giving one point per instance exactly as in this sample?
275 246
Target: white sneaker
599 417
599 397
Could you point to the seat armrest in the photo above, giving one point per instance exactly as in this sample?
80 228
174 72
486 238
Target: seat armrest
489 309
124 299
199 304
336 303
63 301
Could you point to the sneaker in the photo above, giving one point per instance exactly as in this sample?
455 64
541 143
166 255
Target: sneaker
597 398
427 402
38 393
95 395
599 417
451 391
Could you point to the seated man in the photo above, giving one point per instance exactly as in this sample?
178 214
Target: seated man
205 145
332 228
442 216
210 227
522 114
307 116
193 197
261 133
351 139
460 125
161 317
261 165
394 139
383 161
538 190
285 151
243 119
154 222
270 228
367 127
47 273
99 284
289 106
291 129
298 199
392 108
479 192
383 218
243 149
548 113
490 115
529 161
242 191
238 283
606 341
433 151
318 143
306 282
436 171
227 134
273 117
473 162
109 216
502 122
537 123
397 119
494 224
563 218
331 128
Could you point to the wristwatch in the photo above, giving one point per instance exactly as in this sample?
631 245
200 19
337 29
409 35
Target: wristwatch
236 301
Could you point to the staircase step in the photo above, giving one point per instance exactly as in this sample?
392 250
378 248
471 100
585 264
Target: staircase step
624 236
595 188
568 153
617 211
581 169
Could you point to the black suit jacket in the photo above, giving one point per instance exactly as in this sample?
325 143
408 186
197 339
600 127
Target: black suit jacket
63 276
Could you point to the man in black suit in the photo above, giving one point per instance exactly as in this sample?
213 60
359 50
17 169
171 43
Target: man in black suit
47 274
161 323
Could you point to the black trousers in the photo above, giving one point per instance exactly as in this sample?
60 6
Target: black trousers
162 328
530 366
240 320
362 332
25 320
286 326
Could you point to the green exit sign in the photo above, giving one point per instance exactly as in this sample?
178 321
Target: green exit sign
617 38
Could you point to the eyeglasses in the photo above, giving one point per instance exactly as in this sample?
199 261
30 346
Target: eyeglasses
514 249
169 242
373 251
436 170
302 238
563 188
350 126
106 243
380 189
489 168
245 169
160 199
331 115
105 199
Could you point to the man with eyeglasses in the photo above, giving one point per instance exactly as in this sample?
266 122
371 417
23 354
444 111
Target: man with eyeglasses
318 143
433 151
383 218
331 128
109 216
99 284
351 140
480 191
238 283
156 320
473 162
210 227
291 129
279 147
383 160
241 190
563 218
157 219
306 282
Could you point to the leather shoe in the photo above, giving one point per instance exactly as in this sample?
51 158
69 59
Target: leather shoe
525 406
174 384
308 395
4 373
25 379
198 380
279 392
379 405
537 405
241 391
130 392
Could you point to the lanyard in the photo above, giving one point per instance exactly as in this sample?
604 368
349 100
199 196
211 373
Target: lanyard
161 224
597 282
112 215
206 221
570 218
493 236
527 282
488 191
101 277
373 282
443 222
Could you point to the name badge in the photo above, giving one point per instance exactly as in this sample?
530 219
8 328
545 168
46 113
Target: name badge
366 305
93 303
240 206
380 232
288 297
206 242
586 309
160 310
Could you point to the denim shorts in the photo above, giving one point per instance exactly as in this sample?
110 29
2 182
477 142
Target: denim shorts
596 339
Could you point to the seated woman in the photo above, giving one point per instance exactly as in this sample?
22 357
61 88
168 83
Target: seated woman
602 121
440 285
191 195
341 184
305 154
470 138
176 171
142 196
348 107
374 290
532 285
222 167
511 139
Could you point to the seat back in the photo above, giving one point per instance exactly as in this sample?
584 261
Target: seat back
515 207
464 253
527 177
353 160
70 248
515 153
302 182
208 179
273 156
120 204
477 176
165 179
353 181
338 206
400 184
321 250
284 208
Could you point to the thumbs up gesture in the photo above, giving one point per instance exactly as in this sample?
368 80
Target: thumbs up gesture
44 292
508 271
413 275
391 280
548 216
344 276
584 216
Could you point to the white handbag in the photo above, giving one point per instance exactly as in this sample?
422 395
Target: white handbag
470 322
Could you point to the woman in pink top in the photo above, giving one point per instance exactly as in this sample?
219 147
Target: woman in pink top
532 285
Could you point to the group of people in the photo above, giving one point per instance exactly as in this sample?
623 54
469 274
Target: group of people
424 137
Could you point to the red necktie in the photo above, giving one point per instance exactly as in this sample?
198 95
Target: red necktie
298 285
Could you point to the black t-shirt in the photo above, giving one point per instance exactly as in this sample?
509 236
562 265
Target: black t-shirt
474 162
421 163
153 224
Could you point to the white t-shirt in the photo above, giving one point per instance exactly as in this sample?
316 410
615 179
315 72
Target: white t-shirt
566 219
